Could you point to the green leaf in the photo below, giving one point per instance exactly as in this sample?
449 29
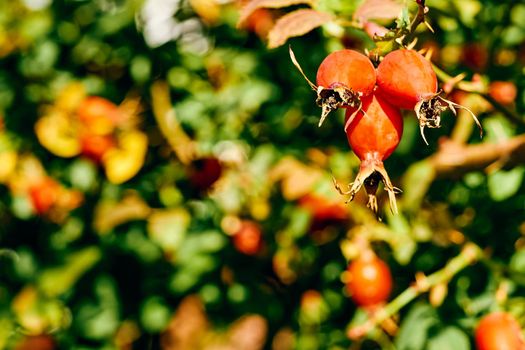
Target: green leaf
449 338
517 262
415 183
414 329
504 184
57 280
100 319
155 315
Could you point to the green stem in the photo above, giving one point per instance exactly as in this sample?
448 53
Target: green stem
469 254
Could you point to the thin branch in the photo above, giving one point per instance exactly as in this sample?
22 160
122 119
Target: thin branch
510 115
469 254
454 159
481 90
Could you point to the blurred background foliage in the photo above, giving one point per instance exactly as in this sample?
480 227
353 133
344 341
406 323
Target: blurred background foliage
165 184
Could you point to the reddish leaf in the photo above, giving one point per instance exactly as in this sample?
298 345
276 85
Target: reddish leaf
378 9
253 5
296 23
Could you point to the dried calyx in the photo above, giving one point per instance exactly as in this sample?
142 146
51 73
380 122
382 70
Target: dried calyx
370 175
334 97
329 98
428 113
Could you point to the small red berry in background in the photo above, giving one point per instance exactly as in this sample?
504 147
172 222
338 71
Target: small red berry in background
204 172
323 209
95 147
475 56
504 92
44 195
370 280
99 115
36 342
373 132
499 331
248 238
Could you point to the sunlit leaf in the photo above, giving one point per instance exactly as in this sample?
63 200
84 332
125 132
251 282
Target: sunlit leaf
449 338
58 133
253 5
70 97
109 214
415 327
297 179
504 184
168 124
57 280
517 262
122 163
296 23
208 10
168 227
378 9
37 314
8 160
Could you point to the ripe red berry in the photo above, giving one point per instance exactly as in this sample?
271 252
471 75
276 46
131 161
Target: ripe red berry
349 69
36 342
499 331
322 209
504 92
370 280
374 131
407 80
99 115
44 195
204 172
343 77
248 239
95 146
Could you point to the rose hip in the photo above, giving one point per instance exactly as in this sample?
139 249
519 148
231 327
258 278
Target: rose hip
343 77
407 80
370 280
373 134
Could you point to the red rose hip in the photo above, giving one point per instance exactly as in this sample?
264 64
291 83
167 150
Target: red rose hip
407 80
499 331
370 280
343 77
374 131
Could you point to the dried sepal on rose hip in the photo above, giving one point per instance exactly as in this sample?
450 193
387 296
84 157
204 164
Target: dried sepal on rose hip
373 134
406 79
343 78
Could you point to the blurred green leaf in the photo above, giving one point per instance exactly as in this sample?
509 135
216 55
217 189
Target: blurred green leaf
504 184
100 319
449 338
154 314
58 280
517 261
415 327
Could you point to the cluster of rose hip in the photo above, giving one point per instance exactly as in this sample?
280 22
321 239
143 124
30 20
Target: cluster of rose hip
369 283
373 99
